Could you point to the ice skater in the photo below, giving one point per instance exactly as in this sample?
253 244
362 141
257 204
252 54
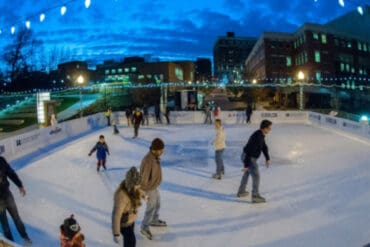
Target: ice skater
7 202
252 150
219 145
101 148
151 178
127 200
70 233
137 118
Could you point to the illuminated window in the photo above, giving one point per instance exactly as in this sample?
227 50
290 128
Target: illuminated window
359 46
365 47
317 57
113 71
149 76
318 76
342 67
133 69
288 61
305 57
120 71
127 70
323 38
315 36
349 44
107 71
348 67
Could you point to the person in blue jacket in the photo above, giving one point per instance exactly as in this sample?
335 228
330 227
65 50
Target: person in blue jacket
102 150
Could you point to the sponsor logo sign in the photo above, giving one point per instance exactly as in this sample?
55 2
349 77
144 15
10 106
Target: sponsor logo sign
315 116
331 120
269 114
55 131
27 139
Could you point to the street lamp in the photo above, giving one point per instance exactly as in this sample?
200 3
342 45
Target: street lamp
254 81
80 81
301 77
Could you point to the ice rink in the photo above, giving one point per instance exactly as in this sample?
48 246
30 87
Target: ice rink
317 188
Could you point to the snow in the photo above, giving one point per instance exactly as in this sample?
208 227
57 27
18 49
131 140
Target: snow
317 188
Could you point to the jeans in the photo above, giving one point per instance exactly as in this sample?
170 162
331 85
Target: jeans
9 205
152 208
219 161
136 129
253 170
129 239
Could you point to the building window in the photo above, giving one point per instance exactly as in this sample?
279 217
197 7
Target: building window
133 69
323 38
318 76
365 47
342 67
315 36
317 57
120 71
305 57
359 46
349 44
127 70
107 71
288 61
347 67
113 71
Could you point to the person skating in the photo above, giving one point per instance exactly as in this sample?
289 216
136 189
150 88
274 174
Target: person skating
136 120
167 114
157 113
70 233
101 148
219 145
128 114
127 200
114 122
252 150
248 113
107 115
146 115
207 112
7 202
151 178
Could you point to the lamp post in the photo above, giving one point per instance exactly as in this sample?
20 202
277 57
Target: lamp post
301 77
80 81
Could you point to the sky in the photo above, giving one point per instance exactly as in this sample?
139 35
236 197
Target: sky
163 29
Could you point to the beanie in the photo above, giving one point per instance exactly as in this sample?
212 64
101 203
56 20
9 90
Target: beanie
70 227
132 178
157 144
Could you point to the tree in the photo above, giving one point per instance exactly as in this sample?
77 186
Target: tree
19 56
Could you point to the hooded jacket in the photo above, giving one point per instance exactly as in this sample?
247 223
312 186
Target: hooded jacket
150 172
5 172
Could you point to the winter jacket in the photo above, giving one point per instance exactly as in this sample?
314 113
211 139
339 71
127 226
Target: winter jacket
219 141
101 150
151 172
256 144
75 241
5 172
137 117
124 213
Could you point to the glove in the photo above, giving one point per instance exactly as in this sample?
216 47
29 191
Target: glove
116 239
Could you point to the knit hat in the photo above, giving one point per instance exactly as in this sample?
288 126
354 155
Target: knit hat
132 178
70 227
157 144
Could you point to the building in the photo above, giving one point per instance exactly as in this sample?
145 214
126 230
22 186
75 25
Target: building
229 55
203 70
67 73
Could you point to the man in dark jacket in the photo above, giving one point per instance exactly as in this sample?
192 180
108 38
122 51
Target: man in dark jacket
137 118
7 202
256 144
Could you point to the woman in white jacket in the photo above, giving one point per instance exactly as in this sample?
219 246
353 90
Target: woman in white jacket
219 144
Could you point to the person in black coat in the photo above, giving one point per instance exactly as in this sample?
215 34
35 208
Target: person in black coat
248 113
137 118
7 202
252 150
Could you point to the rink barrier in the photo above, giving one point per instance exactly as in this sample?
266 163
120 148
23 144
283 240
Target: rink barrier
7 243
29 142
350 127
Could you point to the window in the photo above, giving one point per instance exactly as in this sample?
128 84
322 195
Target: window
365 47
347 67
107 71
305 57
119 71
359 46
315 36
317 57
288 61
127 70
323 38
318 76
113 71
341 67
133 69
349 44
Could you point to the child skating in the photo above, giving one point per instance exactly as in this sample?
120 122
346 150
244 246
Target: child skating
102 150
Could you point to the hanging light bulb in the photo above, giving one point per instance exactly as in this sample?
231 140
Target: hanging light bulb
87 3
28 24
42 17
341 2
1 31
12 30
360 10
63 10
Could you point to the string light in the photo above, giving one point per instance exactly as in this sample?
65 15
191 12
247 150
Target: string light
28 24
360 10
63 10
12 30
341 2
87 3
42 17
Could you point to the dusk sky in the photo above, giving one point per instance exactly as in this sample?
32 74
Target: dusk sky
166 29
